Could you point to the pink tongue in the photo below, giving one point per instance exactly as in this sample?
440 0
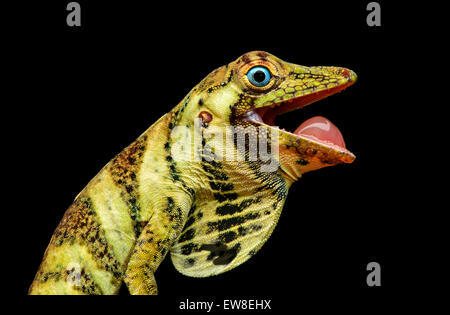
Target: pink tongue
320 128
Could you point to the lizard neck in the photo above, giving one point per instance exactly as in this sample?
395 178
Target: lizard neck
199 160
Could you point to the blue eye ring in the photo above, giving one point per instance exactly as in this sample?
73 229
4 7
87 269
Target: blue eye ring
259 76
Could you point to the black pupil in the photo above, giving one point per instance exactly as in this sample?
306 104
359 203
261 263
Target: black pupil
259 76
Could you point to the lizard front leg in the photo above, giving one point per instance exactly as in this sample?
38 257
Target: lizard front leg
153 244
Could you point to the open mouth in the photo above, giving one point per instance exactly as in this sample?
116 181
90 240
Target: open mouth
318 129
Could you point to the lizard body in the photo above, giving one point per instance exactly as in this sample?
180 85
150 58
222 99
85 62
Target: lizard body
212 213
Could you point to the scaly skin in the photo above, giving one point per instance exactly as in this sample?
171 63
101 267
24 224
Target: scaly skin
212 215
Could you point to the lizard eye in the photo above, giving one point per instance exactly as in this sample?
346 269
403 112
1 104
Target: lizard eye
259 76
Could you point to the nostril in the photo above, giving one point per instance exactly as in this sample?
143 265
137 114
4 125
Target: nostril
346 73
349 75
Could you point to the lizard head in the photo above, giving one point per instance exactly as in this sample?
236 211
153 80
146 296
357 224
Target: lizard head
257 87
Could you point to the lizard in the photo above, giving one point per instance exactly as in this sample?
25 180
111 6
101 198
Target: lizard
210 213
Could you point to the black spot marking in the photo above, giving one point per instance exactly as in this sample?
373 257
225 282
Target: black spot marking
228 256
45 276
215 249
215 174
230 208
189 262
302 162
224 197
172 122
214 163
187 235
189 190
225 224
230 77
221 186
245 59
189 248
227 237
174 213
189 222
262 54
249 229
173 170
192 209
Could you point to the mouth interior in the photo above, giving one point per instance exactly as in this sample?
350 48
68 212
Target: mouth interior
318 128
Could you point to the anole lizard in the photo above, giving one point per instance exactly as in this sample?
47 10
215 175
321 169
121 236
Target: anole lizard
211 214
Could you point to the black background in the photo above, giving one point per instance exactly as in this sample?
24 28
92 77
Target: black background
86 93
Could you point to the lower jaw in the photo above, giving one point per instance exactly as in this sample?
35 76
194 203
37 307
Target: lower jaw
297 157
308 145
